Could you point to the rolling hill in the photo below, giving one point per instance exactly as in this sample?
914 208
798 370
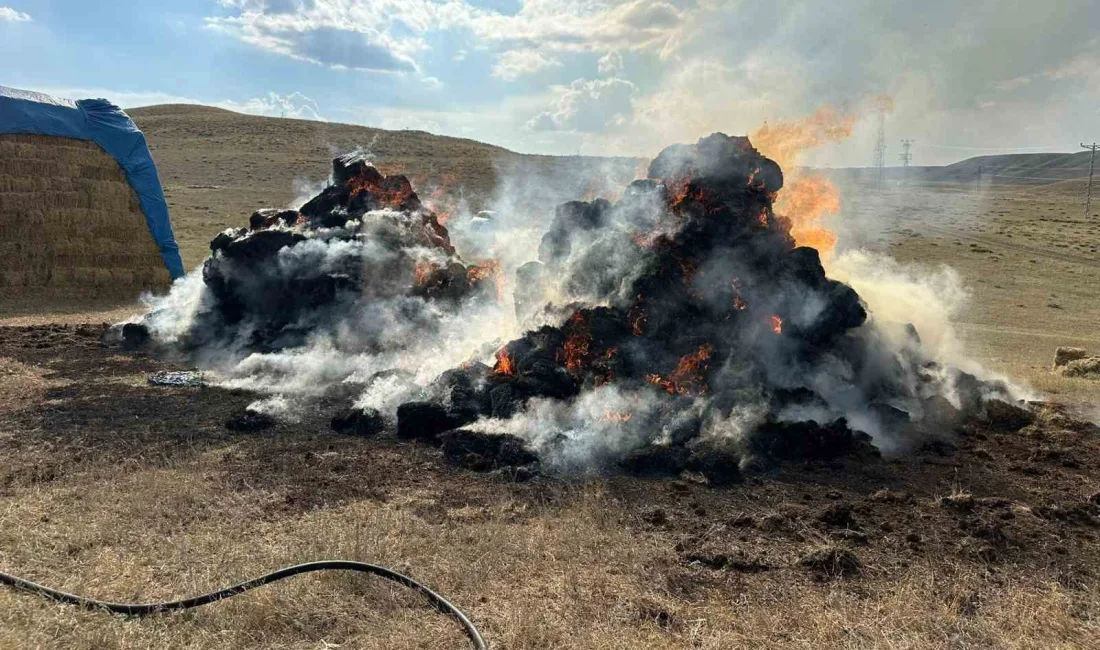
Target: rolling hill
1002 169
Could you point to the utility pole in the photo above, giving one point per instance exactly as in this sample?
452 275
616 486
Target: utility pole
880 147
1092 165
905 156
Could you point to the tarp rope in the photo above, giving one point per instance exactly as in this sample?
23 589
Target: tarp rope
145 609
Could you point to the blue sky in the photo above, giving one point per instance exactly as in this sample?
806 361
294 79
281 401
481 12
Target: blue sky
561 76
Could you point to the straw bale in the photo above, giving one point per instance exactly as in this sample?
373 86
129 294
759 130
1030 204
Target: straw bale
70 224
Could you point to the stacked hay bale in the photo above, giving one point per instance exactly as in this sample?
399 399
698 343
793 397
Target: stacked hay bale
70 224
1076 362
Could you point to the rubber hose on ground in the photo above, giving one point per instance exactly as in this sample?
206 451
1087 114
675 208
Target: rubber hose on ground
145 609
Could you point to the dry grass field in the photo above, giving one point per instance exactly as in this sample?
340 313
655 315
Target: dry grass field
120 490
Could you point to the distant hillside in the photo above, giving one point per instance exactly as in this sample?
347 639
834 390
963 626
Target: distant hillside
1004 169
218 166
1016 168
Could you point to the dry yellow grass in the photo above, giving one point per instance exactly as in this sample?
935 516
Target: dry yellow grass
568 575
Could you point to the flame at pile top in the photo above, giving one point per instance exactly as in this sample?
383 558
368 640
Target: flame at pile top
806 199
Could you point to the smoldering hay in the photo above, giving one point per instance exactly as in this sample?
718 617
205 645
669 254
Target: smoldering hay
677 328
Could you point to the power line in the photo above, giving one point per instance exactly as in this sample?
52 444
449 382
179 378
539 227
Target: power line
1092 165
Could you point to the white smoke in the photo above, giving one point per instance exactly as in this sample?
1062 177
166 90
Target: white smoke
385 347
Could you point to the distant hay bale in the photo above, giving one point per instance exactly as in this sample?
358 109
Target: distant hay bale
1064 355
70 224
1087 368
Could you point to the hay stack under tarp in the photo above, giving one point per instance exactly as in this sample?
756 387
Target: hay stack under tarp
70 223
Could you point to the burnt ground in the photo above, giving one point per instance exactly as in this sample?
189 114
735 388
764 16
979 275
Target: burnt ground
999 506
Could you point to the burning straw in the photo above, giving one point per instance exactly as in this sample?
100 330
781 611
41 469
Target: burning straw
681 327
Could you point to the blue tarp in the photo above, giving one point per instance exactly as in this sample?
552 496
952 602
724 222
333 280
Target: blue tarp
23 111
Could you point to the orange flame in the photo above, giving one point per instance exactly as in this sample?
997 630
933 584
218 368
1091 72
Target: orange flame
805 199
738 302
423 271
576 349
485 270
638 318
390 191
776 324
687 378
619 417
504 365
784 141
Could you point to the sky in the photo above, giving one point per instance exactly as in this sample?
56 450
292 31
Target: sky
598 78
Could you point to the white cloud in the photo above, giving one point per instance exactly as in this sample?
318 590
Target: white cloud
589 106
515 63
9 15
294 105
272 104
610 64
389 35
339 35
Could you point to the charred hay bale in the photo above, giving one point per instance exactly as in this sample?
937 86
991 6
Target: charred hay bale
719 464
134 336
485 452
256 248
450 282
718 158
359 422
655 461
1004 416
358 188
268 217
809 440
970 390
465 389
571 217
246 420
939 414
424 421
1063 355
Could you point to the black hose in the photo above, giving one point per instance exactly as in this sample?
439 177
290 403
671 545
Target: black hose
145 609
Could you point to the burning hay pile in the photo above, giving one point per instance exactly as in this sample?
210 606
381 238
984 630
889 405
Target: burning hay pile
679 328
363 241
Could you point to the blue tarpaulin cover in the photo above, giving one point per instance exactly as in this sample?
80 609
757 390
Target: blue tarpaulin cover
24 111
